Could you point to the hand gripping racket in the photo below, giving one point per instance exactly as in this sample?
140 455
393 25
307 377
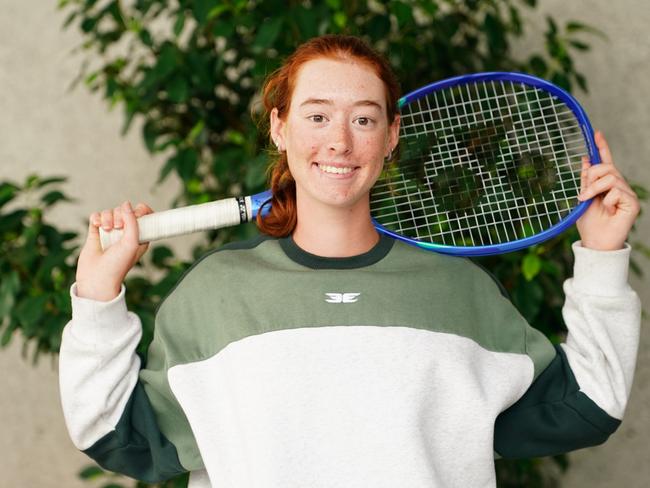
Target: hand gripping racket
488 163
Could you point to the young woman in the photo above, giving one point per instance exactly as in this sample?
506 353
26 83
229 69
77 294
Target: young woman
324 354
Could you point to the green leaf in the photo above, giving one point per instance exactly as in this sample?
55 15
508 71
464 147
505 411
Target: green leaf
8 289
531 266
177 89
186 162
403 13
268 32
552 26
32 181
31 310
179 24
378 27
150 134
196 131
145 36
574 26
538 66
256 173
528 297
13 221
166 62
307 20
582 46
52 197
223 28
166 169
8 333
201 9
235 137
159 256
54 179
91 472
582 82
561 80
217 11
340 19
7 192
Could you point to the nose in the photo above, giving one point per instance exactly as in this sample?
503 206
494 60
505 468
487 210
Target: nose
340 140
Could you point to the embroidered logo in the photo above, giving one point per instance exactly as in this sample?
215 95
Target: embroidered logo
342 297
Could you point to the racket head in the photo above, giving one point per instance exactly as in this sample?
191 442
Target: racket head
498 110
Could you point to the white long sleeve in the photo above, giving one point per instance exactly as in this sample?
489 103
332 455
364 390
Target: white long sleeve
603 315
98 366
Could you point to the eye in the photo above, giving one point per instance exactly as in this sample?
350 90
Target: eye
318 118
364 121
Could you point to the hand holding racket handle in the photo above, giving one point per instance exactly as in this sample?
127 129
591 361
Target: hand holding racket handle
100 273
194 218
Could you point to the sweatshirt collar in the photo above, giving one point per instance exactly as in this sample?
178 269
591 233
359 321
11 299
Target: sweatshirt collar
300 256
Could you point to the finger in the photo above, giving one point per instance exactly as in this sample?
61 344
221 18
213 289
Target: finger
142 209
603 148
584 172
599 186
130 224
597 171
117 218
610 202
107 219
617 199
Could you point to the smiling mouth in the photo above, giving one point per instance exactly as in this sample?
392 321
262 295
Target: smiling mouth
336 170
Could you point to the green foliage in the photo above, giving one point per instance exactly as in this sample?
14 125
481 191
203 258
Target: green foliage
36 265
111 480
37 268
192 81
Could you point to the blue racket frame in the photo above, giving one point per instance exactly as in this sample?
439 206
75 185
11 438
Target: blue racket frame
553 231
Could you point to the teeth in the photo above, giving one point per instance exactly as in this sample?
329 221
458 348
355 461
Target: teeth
335 170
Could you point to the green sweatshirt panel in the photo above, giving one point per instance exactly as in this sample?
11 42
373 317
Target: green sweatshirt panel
552 417
233 294
171 419
136 447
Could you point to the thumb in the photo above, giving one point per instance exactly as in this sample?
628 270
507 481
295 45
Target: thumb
93 241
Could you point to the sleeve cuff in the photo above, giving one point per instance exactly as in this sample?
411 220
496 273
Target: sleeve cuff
603 273
100 318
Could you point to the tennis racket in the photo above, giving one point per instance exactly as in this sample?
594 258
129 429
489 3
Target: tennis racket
488 163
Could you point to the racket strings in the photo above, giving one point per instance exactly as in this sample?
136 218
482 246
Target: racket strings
481 164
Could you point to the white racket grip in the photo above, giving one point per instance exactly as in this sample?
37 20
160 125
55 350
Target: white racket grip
185 220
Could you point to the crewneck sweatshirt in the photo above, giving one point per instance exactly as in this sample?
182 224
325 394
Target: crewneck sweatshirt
274 368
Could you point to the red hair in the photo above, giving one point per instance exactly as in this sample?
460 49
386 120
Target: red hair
277 93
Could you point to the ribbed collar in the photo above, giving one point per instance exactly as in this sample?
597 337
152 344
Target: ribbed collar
305 258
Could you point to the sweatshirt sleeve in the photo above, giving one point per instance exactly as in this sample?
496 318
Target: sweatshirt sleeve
106 407
579 399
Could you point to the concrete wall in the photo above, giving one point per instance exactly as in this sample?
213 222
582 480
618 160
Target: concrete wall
46 129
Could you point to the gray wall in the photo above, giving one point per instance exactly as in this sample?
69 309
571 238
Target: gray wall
46 129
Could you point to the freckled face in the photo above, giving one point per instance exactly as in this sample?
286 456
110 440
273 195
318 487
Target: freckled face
336 133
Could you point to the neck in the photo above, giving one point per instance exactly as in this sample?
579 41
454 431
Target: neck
335 232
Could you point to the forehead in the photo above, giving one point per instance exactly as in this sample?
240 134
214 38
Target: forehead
337 80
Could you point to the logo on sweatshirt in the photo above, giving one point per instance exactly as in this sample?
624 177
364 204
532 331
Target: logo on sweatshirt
342 297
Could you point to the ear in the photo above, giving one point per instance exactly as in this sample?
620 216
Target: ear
393 134
277 130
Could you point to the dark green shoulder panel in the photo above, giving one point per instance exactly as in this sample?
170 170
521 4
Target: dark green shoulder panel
552 417
137 447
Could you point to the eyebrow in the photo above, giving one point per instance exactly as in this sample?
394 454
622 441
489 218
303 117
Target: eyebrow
325 101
